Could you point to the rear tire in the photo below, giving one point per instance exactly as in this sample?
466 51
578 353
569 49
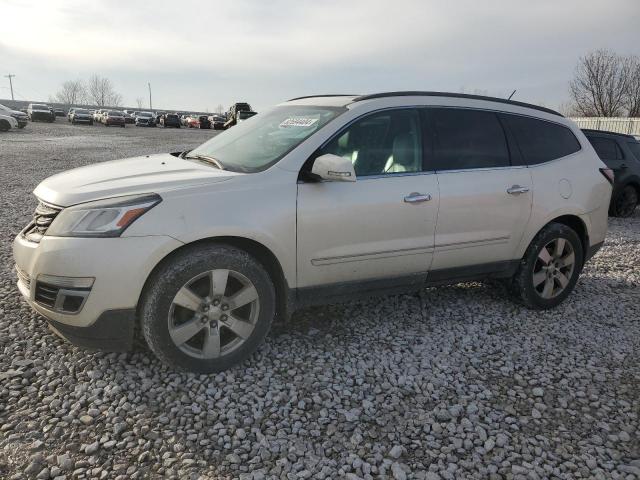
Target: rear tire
183 293
625 202
550 268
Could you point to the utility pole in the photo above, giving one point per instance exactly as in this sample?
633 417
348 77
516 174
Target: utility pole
10 76
150 104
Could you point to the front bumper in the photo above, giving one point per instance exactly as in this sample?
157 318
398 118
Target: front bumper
22 121
119 267
42 116
83 119
112 331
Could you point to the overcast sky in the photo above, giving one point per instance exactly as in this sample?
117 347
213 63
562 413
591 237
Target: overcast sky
198 54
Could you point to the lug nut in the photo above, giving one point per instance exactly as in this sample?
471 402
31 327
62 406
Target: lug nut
216 303
225 306
223 317
205 308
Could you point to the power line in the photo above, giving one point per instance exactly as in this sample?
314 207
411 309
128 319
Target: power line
10 76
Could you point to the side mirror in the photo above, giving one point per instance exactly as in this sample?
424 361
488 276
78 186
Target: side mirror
333 168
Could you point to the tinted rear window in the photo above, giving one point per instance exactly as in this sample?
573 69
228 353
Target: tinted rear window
466 138
606 148
541 141
635 149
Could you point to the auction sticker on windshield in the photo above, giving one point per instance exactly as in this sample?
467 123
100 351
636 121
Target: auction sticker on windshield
298 122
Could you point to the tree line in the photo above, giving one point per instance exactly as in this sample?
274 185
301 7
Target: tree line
97 91
606 84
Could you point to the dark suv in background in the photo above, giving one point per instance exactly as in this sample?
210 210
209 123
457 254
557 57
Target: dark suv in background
621 153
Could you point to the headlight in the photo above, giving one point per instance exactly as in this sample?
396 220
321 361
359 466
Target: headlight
102 218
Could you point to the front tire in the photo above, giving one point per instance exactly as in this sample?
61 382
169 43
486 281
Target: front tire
625 202
549 270
207 308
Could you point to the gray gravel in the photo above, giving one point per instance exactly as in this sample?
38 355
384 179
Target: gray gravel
454 382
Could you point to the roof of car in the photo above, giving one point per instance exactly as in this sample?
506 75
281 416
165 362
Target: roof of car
607 132
346 99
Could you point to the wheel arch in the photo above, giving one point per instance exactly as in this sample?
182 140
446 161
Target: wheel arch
577 225
254 248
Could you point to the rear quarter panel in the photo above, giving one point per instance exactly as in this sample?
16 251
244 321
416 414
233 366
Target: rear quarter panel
572 185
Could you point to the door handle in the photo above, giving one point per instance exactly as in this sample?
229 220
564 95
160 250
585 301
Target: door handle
517 190
416 197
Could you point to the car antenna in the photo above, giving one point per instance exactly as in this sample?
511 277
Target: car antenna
512 94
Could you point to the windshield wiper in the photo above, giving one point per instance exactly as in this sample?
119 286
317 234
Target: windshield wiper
205 158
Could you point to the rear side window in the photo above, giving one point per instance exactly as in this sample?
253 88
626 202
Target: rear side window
465 139
540 141
635 149
606 148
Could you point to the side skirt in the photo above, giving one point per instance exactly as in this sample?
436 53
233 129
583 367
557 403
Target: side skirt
346 291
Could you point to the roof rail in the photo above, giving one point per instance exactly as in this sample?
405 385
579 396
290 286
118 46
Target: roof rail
454 95
608 132
327 95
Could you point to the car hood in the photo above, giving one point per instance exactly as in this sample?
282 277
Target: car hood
145 174
18 113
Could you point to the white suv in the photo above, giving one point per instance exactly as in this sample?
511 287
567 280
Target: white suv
318 199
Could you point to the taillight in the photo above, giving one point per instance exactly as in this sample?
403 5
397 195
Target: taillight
608 174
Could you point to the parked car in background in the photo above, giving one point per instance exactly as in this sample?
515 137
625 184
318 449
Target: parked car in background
40 112
128 118
159 116
170 120
621 153
20 117
356 208
59 112
113 118
242 116
7 122
183 119
217 122
233 113
204 122
97 116
81 115
192 121
69 114
145 119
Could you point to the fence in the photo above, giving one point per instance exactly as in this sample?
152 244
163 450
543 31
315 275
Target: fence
630 126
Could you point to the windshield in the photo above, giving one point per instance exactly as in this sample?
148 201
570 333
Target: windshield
244 115
81 111
39 106
261 141
115 113
145 114
635 149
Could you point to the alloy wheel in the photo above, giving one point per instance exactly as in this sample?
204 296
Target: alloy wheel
554 268
213 313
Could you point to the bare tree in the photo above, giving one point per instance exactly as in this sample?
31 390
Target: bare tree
601 83
632 99
72 92
102 93
219 109
140 102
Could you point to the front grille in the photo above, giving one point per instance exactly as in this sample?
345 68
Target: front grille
46 294
42 218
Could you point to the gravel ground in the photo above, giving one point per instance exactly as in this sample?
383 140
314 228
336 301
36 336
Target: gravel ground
454 382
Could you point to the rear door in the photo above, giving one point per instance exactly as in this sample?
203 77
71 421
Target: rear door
485 197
